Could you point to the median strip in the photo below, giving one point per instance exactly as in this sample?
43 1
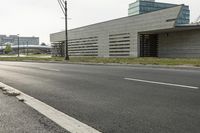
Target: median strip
70 124
162 83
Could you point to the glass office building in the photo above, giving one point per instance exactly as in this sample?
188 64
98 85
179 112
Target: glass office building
145 6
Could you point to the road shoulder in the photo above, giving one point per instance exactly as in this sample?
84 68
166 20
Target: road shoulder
17 117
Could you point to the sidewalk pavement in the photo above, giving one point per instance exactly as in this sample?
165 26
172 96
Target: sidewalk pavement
16 117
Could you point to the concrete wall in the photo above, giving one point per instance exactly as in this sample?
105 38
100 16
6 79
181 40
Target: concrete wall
162 19
180 44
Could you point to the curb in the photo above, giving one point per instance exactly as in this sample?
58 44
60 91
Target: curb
69 123
181 67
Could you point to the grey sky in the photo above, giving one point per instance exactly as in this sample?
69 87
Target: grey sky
42 17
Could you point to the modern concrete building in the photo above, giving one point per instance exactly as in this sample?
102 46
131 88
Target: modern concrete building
24 42
152 34
30 49
13 39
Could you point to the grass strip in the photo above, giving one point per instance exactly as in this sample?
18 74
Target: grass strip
144 61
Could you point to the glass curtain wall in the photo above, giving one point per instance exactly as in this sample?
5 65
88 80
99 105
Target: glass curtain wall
140 7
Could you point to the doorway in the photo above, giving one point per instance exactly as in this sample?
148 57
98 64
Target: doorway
148 45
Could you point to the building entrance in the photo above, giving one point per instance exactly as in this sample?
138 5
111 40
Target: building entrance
148 45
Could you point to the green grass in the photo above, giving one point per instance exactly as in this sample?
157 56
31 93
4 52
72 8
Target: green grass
144 61
31 59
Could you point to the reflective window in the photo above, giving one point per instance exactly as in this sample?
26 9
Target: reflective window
140 7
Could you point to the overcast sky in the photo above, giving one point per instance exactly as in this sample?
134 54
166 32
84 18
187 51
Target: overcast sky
42 17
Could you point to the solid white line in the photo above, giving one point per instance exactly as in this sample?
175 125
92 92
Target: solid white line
161 83
70 124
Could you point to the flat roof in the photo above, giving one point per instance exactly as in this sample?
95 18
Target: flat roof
184 27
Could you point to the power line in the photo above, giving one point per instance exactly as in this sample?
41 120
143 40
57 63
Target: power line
61 6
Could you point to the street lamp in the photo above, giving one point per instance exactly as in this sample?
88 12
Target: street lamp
24 48
27 48
18 44
1 49
63 6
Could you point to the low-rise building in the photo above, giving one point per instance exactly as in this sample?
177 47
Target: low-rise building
13 39
157 33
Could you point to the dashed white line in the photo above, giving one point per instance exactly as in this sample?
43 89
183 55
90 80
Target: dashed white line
48 69
161 83
70 124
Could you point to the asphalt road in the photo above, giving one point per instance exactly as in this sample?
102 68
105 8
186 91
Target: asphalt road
16 117
100 96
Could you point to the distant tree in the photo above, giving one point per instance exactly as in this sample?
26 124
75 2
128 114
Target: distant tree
43 44
8 49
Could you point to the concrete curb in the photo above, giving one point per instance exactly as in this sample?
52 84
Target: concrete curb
181 67
69 123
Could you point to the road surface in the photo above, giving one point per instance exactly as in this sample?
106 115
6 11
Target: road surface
16 117
113 99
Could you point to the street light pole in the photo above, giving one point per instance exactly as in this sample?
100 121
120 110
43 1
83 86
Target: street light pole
18 44
27 48
24 48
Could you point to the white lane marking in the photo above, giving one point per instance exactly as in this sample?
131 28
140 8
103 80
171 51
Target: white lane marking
41 68
161 83
70 124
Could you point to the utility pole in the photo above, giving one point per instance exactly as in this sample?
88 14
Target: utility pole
63 5
66 33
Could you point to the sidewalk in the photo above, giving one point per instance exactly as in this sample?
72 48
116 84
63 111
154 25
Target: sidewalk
16 117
